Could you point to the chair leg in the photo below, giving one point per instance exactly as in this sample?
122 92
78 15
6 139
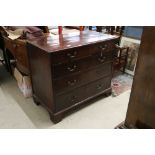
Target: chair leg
4 60
7 60
124 69
126 60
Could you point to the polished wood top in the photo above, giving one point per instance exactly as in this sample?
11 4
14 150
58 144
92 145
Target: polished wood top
51 43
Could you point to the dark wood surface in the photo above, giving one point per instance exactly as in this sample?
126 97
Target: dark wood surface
69 70
17 49
78 79
58 43
141 108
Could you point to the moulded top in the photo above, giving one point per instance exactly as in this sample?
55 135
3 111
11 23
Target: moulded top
51 43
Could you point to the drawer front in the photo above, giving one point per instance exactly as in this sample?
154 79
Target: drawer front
98 86
81 52
82 65
70 55
69 99
102 47
73 81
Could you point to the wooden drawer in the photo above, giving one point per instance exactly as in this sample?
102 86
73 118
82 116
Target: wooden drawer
98 86
81 65
102 47
73 81
70 55
81 52
68 99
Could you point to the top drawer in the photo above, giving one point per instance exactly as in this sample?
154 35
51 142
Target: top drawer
81 52
102 47
70 54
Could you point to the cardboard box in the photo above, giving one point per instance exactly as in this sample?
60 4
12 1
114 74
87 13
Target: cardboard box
24 83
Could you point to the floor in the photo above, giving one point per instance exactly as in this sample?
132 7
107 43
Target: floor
19 112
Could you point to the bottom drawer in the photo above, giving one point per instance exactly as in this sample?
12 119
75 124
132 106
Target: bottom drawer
68 99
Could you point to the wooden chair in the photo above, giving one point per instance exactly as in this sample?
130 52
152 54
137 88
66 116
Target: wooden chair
115 30
121 57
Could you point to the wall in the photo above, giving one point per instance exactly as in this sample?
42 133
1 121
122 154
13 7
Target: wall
133 31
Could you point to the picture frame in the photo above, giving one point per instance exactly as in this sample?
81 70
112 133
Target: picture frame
133 45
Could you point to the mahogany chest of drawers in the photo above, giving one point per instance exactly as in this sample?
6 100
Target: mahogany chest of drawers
68 70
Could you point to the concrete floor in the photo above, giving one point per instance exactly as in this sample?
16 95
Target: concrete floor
19 112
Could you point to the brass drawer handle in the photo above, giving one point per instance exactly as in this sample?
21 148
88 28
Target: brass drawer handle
102 59
103 47
72 83
74 98
72 55
99 86
72 69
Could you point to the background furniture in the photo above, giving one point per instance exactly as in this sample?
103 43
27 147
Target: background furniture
1 48
16 49
121 57
60 28
115 30
67 71
98 28
3 59
141 108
